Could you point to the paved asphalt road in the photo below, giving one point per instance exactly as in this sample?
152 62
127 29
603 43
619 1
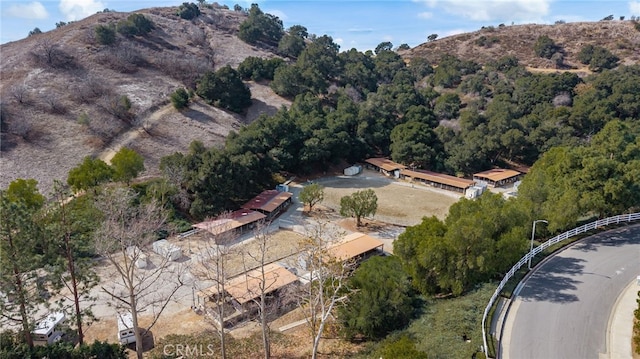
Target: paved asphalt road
563 308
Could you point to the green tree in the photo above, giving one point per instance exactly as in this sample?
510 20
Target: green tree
381 300
135 25
261 27
597 57
126 164
35 31
180 98
19 238
89 174
312 194
224 89
545 47
70 225
415 144
25 191
188 11
447 106
359 204
293 42
105 34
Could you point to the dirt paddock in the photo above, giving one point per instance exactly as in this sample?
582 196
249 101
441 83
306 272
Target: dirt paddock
399 202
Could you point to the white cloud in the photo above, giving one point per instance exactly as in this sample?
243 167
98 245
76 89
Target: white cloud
360 30
492 10
339 41
425 15
33 10
634 8
387 38
79 9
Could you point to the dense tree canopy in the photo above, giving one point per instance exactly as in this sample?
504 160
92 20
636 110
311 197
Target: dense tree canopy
261 27
126 164
478 240
89 174
225 89
382 301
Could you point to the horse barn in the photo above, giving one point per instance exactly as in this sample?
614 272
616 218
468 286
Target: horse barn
241 292
385 166
237 221
437 180
356 246
270 203
497 177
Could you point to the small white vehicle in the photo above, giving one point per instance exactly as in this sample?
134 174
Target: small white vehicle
126 335
47 330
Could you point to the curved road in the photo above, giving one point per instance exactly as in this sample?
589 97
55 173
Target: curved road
563 308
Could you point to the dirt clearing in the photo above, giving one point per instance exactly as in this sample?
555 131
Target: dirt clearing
399 202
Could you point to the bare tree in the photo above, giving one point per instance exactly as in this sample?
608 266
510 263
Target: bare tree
54 104
50 53
213 262
126 231
20 93
327 275
265 284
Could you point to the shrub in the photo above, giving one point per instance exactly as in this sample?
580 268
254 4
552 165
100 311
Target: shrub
105 34
188 11
180 98
545 47
35 31
135 25
224 89
256 68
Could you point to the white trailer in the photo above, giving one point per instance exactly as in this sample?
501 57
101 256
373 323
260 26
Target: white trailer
137 255
352 171
47 330
167 250
126 332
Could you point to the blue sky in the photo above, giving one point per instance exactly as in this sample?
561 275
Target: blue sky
360 24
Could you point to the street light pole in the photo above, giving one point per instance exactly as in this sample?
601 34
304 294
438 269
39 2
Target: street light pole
533 234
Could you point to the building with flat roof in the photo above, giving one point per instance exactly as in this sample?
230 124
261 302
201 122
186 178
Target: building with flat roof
270 202
241 292
356 246
497 177
237 221
438 180
385 166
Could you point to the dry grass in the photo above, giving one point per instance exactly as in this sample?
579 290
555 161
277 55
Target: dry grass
282 244
398 202
50 144
620 37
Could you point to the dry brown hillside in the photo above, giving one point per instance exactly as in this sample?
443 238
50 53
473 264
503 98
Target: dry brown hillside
620 37
60 90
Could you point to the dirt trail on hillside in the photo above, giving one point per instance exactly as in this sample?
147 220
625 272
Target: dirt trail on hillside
127 137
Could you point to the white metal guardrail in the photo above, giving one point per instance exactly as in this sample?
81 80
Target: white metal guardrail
557 239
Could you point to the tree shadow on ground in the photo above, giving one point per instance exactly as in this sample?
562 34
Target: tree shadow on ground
613 238
553 282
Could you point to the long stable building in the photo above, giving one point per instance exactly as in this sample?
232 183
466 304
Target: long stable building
497 177
269 202
385 166
237 221
438 180
356 246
